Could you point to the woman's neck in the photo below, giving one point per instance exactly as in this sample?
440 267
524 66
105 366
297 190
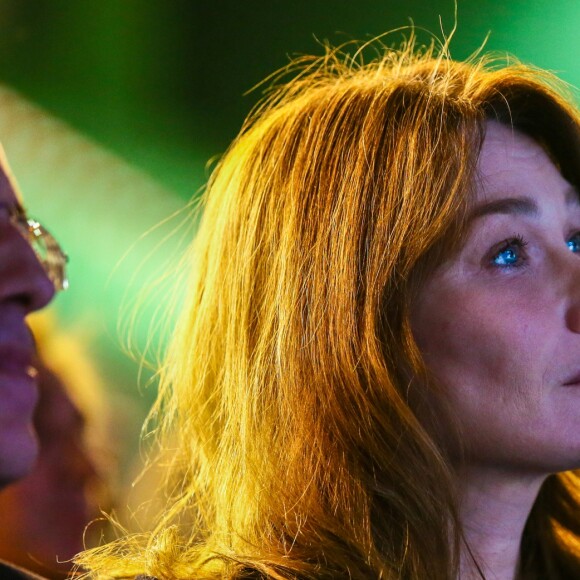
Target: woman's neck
494 507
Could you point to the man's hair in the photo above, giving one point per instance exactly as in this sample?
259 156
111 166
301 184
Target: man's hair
292 446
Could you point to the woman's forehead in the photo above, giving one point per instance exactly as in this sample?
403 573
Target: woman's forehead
503 143
511 162
516 175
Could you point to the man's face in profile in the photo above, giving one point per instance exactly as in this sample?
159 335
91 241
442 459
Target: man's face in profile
24 287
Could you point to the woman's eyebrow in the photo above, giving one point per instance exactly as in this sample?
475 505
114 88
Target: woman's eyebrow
508 205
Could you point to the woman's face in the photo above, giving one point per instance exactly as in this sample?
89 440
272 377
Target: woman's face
499 322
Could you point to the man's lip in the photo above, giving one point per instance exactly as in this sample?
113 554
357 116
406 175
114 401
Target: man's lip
16 358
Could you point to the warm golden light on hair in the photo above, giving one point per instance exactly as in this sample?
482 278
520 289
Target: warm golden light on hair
292 444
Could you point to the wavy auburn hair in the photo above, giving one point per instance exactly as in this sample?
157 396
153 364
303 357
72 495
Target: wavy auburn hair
291 445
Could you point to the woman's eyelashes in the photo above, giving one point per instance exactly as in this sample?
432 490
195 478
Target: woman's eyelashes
512 253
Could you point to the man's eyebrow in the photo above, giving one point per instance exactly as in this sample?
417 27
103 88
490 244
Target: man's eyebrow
507 205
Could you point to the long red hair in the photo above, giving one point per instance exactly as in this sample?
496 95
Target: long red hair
287 424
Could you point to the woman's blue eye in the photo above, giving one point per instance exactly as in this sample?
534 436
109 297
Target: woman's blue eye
507 257
512 253
574 243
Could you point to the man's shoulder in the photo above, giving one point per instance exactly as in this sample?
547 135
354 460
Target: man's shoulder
11 572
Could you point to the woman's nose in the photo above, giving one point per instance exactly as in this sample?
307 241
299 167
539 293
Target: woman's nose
573 313
573 318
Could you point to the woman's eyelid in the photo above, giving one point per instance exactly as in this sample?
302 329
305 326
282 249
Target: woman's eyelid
515 241
574 231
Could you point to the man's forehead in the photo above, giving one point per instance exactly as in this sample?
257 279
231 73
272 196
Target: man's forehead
8 188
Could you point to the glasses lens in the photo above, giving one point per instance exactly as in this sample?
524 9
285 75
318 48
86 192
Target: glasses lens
48 252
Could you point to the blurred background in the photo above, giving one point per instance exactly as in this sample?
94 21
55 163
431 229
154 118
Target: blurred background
111 110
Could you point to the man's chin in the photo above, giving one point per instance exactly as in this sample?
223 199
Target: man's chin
18 452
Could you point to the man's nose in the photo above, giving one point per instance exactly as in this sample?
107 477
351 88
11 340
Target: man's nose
22 277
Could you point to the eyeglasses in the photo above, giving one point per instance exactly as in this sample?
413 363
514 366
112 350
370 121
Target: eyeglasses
46 248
